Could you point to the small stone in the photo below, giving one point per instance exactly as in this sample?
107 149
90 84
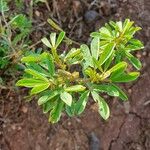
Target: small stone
144 53
24 109
90 16
129 91
37 13
138 55
69 123
13 127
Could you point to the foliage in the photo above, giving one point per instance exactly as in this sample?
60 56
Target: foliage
104 64
14 30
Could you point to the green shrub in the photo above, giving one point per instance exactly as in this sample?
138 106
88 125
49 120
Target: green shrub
104 64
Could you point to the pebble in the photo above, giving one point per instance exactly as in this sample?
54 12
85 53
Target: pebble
24 109
90 16
94 142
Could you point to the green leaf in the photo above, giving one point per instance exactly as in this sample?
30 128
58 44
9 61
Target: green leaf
66 97
120 26
48 106
60 38
95 47
103 107
48 97
72 53
122 95
86 55
56 112
122 65
107 52
134 44
30 58
29 82
109 89
46 42
95 96
118 70
43 100
75 88
134 61
39 88
70 110
36 74
53 39
105 33
95 34
38 68
126 77
54 25
81 103
50 63
127 25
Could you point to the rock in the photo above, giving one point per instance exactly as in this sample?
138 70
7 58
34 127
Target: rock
90 16
94 142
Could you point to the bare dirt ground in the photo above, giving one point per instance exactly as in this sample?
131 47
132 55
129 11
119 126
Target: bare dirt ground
24 127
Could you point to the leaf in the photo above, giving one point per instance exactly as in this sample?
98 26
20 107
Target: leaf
134 44
96 64
48 106
43 100
46 42
70 110
109 89
54 25
95 47
72 53
120 26
126 77
81 103
103 107
66 97
127 24
122 95
107 52
53 39
86 55
29 82
120 70
95 96
48 97
60 38
122 65
108 62
50 64
75 88
38 68
95 34
135 62
30 58
39 88
36 74
56 112
105 33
